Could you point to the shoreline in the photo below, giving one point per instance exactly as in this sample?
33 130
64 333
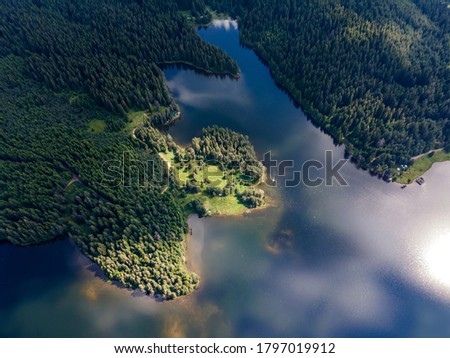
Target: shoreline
175 119
168 124
200 69
311 114
429 152
422 164
314 116
245 212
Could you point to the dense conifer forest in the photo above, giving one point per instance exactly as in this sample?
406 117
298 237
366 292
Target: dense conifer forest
110 49
54 184
229 148
374 74
70 73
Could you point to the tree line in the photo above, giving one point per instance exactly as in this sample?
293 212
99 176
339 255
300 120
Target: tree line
229 148
374 74
111 49
64 65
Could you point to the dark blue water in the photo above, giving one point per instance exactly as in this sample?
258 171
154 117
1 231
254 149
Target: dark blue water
366 260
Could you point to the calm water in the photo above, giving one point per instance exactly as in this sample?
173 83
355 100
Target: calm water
369 259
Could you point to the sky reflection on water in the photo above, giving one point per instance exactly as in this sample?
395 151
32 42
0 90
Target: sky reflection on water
366 260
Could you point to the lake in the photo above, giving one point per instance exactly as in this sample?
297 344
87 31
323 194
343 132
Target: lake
364 260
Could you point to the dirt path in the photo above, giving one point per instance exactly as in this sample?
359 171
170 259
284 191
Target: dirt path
424 154
132 133
169 165
74 179
164 159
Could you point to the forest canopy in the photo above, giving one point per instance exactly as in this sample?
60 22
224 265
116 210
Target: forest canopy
110 49
374 74
71 72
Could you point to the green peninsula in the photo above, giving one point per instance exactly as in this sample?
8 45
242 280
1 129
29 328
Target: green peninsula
217 174
70 104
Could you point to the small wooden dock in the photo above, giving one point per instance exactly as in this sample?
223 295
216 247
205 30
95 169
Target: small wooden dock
420 181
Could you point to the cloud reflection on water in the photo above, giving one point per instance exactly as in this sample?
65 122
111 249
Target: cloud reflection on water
226 24
217 92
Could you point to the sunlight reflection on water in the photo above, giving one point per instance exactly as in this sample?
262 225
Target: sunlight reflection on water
370 259
436 259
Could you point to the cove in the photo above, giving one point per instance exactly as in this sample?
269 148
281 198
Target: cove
362 260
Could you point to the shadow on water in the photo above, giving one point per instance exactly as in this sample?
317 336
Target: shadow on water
99 274
40 267
331 246
198 71
308 249
417 314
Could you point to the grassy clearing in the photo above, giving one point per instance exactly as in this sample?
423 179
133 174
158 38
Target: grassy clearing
97 125
218 15
421 165
135 119
204 176
216 178
169 156
226 205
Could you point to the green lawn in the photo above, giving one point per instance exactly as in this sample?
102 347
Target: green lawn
169 156
214 16
183 176
421 165
97 125
136 118
227 205
214 175
219 205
